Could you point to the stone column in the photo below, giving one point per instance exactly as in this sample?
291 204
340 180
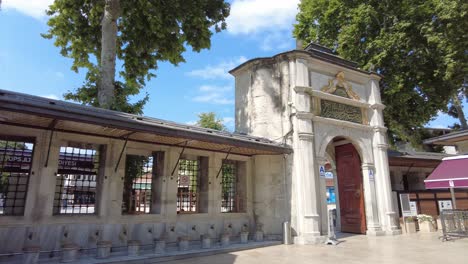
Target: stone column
370 200
305 165
382 172
322 197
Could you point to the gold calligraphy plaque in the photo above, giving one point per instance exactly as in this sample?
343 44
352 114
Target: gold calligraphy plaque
339 111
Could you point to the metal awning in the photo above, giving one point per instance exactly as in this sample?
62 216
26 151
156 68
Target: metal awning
451 173
24 110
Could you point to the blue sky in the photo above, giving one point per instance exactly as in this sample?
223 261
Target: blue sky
256 28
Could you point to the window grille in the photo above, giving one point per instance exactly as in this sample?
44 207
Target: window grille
229 197
138 182
188 186
15 169
76 180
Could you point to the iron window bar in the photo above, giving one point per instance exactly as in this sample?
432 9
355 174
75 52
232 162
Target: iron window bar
229 180
16 154
76 179
188 186
137 194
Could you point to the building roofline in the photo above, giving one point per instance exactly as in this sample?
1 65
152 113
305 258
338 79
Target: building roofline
35 105
449 136
316 54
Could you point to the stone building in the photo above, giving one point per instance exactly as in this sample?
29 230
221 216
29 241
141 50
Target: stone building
80 175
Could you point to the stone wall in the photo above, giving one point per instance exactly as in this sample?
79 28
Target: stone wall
39 226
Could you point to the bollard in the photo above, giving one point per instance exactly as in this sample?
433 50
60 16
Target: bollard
225 240
103 249
244 237
259 236
31 254
184 243
160 246
206 241
69 253
133 248
287 239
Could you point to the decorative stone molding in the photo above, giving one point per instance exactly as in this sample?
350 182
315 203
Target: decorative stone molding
377 106
312 216
341 123
340 82
306 136
304 115
331 97
382 146
367 166
380 129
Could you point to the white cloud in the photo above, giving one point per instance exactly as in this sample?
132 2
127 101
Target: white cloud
214 95
191 123
33 8
280 40
252 16
219 71
51 96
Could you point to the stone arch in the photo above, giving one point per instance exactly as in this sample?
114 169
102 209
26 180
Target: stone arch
358 143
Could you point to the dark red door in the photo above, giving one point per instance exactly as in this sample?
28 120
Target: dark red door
348 168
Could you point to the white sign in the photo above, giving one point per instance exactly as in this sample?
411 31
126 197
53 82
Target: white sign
451 184
413 208
445 204
371 174
322 171
408 208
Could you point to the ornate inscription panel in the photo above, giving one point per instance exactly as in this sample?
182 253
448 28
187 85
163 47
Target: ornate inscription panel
339 111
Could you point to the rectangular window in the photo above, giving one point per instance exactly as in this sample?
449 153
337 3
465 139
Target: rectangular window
188 183
138 185
15 169
78 170
229 186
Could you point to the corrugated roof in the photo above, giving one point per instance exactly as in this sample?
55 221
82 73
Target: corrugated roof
43 113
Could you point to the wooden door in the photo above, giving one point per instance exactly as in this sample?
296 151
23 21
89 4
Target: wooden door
348 167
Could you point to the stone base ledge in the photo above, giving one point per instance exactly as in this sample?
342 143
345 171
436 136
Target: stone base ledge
309 239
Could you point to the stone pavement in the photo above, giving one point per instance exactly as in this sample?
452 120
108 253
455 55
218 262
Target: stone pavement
414 249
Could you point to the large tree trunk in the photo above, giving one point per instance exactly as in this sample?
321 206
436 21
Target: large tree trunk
461 116
108 54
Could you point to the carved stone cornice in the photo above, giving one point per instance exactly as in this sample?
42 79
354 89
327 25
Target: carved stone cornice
382 146
377 106
341 123
304 115
367 166
305 136
378 129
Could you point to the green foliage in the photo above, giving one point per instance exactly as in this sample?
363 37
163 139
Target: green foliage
418 45
209 120
147 32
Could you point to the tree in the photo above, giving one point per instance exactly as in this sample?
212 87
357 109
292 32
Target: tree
209 120
418 45
95 33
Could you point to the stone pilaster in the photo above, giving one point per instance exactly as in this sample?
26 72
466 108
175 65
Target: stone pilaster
370 200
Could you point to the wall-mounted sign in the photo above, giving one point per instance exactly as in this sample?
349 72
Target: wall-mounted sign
371 174
322 171
445 204
340 111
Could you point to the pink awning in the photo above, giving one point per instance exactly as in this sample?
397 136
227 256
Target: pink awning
451 173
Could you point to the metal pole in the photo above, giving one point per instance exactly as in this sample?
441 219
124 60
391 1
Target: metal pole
287 239
454 202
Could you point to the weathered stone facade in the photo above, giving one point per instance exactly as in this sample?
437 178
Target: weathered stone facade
280 98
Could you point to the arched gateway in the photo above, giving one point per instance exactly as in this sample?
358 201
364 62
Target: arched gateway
329 111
